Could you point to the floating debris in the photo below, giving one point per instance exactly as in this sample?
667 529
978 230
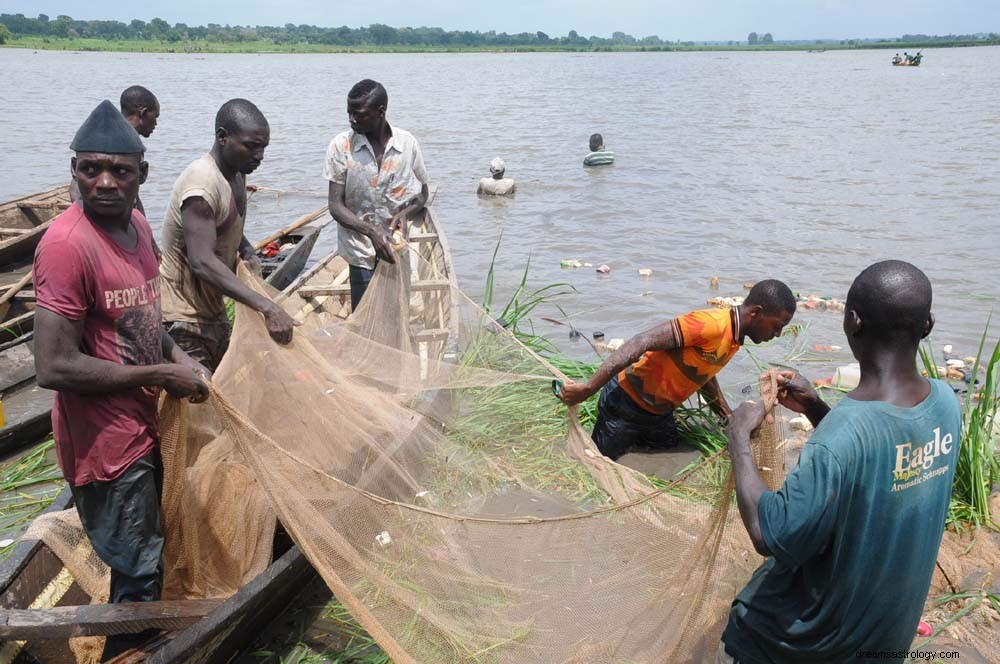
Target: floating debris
645 272
570 262
726 302
645 293
713 283
598 335
615 344
604 269
847 377
947 349
749 286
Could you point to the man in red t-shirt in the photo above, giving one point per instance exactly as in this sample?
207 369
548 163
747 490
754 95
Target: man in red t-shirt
99 343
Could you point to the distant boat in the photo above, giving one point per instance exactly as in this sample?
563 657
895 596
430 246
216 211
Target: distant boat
909 61
816 50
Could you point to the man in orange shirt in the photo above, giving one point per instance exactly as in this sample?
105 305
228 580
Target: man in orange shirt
657 370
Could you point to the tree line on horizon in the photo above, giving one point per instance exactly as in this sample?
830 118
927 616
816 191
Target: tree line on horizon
376 34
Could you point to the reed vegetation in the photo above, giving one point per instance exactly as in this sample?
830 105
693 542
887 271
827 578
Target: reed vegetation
977 472
28 485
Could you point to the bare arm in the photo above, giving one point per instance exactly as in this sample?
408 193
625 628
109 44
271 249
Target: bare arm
344 216
661 337
60 365
750 486
199 239
712 392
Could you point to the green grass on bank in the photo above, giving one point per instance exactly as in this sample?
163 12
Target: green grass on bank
269 46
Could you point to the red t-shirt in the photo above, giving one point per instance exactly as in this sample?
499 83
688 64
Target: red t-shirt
81 273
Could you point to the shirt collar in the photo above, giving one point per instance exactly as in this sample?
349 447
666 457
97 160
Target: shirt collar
360 141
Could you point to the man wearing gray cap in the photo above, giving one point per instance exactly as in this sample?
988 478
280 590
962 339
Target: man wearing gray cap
100 345
497 184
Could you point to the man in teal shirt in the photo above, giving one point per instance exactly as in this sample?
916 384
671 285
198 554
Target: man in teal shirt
853 534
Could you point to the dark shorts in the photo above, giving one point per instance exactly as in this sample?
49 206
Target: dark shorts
360 277
123 522
204 341
623 427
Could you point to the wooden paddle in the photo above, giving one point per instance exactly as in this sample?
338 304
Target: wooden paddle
11 292
298 223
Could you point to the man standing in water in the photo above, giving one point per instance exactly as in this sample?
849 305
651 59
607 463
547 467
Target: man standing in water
100 345
656 371
853 534
377 180
203 239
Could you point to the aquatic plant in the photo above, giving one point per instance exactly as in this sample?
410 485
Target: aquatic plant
977 471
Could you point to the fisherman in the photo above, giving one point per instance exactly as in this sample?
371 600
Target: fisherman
656 371
598 155
100 345
496 184
377 180
896 59
142 110
853 535
203 239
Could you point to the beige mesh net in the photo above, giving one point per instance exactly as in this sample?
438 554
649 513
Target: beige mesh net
417 456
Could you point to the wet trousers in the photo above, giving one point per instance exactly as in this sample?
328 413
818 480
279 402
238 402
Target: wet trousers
122 519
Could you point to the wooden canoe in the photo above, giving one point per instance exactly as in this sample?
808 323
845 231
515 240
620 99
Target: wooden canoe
26 578
23 221
294 245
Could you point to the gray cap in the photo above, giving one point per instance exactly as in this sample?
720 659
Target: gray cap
106 130
497 165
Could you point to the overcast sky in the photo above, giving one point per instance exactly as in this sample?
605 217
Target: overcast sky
669 19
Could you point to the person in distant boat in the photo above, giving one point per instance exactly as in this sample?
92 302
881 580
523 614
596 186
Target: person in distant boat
142 110
598 155
896 59
100 345
656 371
203 239
377 180
497 184
852 536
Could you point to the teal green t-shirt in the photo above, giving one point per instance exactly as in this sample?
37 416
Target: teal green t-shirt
854 534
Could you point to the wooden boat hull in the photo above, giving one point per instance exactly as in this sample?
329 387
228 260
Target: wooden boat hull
282 269
225 631
23 221
27 407
905 64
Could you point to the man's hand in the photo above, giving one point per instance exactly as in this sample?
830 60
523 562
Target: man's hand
400 222
747 417
253 264
279 324
795 392
382 242
180 380
574 393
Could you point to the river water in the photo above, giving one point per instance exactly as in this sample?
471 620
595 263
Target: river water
805 167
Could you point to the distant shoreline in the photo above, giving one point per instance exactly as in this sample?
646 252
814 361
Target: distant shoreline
269 47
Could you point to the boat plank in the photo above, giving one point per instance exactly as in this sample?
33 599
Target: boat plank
64 622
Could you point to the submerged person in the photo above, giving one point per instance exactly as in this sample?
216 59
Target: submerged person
377 180
598 155
142 110
100 345
656 371
203 239
853 534
496 184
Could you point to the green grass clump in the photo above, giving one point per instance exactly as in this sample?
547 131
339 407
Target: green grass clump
977 472
23 494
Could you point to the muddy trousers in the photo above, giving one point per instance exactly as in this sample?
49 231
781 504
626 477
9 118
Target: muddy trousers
122 519
622 426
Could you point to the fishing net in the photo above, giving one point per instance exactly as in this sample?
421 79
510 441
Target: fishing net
417 456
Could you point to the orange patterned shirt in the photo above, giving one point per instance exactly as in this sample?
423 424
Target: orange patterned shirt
661 380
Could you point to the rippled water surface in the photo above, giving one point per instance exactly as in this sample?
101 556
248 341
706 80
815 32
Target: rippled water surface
804 167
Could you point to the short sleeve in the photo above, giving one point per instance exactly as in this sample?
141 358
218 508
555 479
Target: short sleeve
335 166
419 170
698 328
797 521
60 280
